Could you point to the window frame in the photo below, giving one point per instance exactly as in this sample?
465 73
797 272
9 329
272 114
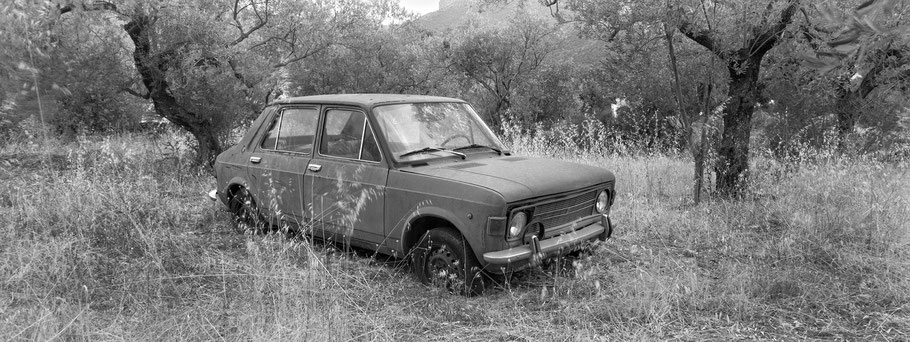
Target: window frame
279 116
323 118
394 162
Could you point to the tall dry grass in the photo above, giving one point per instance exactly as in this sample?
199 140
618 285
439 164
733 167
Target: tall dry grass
820 247
113 239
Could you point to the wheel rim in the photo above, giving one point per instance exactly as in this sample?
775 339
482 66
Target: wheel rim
243 212
444 269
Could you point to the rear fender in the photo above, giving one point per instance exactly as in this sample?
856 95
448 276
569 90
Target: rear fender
225 192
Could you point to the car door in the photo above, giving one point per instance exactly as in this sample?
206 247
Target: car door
345 181
278 162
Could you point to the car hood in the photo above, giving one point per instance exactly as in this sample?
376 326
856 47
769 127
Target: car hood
520 178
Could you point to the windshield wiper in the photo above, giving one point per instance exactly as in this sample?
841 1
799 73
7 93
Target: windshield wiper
478 146
431 149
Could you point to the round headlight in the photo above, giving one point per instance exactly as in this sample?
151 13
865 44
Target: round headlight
517 224
603 202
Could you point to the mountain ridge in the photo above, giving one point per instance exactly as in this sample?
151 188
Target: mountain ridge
455 14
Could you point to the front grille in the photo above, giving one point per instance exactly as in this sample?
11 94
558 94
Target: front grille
554 214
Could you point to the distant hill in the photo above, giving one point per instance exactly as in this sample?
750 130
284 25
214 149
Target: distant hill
453 14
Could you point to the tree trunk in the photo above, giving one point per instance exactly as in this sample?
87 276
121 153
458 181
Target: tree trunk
850 101
732 165
496 117
846 110
743 64
695 146
153 69
700 144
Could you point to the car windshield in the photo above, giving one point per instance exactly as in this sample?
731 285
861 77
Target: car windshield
416 131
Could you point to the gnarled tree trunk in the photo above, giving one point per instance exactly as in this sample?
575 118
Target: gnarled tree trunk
732 166
744 65
153 69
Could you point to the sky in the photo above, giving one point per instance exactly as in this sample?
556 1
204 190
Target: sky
420 6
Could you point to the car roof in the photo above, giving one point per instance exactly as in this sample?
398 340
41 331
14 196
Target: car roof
366 100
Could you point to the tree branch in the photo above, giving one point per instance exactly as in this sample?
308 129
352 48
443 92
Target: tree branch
260 23
769 38
234 69
135 93
309 52
810 38
699 35
94 6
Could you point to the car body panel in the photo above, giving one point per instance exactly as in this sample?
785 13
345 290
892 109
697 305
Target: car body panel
347 198
466 206
276 173
365 101
346 194
277 181
520 178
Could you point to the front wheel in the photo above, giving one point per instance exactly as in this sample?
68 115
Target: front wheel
444 259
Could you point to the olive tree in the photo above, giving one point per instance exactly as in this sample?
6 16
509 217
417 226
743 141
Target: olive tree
750 31
739 34
499 59
859 51
204 64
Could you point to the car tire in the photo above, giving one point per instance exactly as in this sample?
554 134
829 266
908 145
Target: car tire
443 258
245 214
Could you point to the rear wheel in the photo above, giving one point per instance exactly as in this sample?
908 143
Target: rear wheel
444 259
245 213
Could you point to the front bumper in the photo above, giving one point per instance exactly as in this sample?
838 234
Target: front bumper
535 252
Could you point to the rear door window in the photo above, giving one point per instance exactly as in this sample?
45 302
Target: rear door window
293 130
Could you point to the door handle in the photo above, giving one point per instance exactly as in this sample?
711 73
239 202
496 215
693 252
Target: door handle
255 160
314 167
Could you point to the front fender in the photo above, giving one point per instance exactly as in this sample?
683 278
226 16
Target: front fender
401 231
471 223
466 207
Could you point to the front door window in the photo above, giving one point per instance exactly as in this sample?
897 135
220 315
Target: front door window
347 134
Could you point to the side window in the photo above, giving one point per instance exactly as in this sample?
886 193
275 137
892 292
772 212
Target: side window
337 120
370 147
347 134
293 130
272 136
298 130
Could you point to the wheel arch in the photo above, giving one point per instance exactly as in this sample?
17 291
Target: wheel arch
420 225
228 191
232 186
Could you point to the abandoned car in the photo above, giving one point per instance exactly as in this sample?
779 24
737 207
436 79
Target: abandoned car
416 177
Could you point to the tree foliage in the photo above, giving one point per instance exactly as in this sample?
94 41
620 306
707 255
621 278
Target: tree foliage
500 59
203 65
862 53
740 34
667 73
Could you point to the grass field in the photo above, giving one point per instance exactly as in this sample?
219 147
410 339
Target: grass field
114 239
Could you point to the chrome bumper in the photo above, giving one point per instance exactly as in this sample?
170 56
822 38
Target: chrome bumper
536 251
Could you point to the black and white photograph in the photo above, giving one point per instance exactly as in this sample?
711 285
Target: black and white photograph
455 170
